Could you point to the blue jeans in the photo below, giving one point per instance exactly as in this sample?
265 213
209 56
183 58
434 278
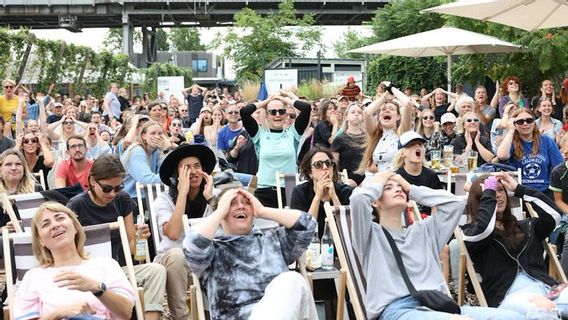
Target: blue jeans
244 178
523 289
408 308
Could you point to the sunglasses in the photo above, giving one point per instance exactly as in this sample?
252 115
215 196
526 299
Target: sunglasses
428 118
523 121
108 189
233 112
512 83
182 110
32 140
68 123
176 124
291 115
472 120
319 164
274 112
8 87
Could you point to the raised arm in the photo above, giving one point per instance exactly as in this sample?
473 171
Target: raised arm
19 113
504 149
250 124
42 114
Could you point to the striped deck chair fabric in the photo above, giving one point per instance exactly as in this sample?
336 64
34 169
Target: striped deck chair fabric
26 205
97 244
339 220
289 181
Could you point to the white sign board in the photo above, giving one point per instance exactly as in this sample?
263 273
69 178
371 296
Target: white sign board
340 77
280 79
171 85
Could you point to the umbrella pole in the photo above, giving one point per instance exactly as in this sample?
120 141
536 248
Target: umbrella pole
449 72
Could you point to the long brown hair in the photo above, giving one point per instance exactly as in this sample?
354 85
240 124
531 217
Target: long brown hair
512 236
518 152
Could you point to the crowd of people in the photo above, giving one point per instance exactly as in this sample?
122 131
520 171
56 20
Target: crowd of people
94 152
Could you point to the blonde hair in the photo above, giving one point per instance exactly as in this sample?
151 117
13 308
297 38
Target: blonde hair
140 141
43 254
398 161
28 181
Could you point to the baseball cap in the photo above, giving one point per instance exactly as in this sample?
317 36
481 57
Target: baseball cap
448 117
58 104
341 98
409 136
350 79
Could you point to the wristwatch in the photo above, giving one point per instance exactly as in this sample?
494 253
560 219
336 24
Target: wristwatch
102 289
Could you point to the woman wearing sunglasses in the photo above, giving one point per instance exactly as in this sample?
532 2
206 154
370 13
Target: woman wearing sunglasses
104 202
511 89
276 145
37 152
524 147
320 171
174 133
472 139
426 128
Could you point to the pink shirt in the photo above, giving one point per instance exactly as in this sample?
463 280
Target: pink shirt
38 295
66 170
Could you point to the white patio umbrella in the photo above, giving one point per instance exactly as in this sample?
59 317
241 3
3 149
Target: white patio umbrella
445 41
523 14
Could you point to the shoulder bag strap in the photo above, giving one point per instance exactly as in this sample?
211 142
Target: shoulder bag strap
398 258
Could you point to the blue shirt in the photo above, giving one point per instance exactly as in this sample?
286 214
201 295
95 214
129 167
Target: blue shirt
114 104
140 168
226 137
536 169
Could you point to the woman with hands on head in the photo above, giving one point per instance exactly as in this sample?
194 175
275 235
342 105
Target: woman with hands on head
276 145
36 150
68 283
187 173
386 197
507 252
385 119
245 270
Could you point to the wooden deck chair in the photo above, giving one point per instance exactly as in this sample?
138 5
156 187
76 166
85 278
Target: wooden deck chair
343 176
97 244
151 192
413 207
466 264
252 184
27 205
289 181
41 178
554 268
339 222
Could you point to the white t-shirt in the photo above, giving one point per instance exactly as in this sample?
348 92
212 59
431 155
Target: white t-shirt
385 151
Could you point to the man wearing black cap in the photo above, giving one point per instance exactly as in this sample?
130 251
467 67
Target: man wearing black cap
186 171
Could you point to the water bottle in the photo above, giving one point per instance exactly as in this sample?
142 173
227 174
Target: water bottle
327 249
313 253
140 252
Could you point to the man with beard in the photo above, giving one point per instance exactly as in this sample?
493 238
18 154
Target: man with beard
76 169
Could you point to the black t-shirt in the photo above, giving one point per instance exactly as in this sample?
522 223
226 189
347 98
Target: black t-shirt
246 160
322 133
89 214
350 148
304 193
195 104
459 144
53 118
40 166
426 178
441 109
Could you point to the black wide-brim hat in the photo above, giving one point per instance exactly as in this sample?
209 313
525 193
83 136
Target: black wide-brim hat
170 163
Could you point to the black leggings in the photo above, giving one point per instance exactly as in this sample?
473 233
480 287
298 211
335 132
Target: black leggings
268 197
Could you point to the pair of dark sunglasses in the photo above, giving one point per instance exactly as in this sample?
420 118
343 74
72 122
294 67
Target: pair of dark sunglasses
32 140
107 189
520 122
472 120
319 164
273 112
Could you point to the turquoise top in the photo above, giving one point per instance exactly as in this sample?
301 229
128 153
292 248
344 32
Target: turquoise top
276 152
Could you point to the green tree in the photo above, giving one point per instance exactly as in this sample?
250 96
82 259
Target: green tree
255 36
397 19
186 39
351 40
162 42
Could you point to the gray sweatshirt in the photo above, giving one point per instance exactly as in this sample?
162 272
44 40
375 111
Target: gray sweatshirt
420 245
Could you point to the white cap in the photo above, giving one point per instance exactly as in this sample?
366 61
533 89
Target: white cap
408 137
448 117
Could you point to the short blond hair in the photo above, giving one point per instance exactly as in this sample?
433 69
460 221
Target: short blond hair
43 254
8 81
